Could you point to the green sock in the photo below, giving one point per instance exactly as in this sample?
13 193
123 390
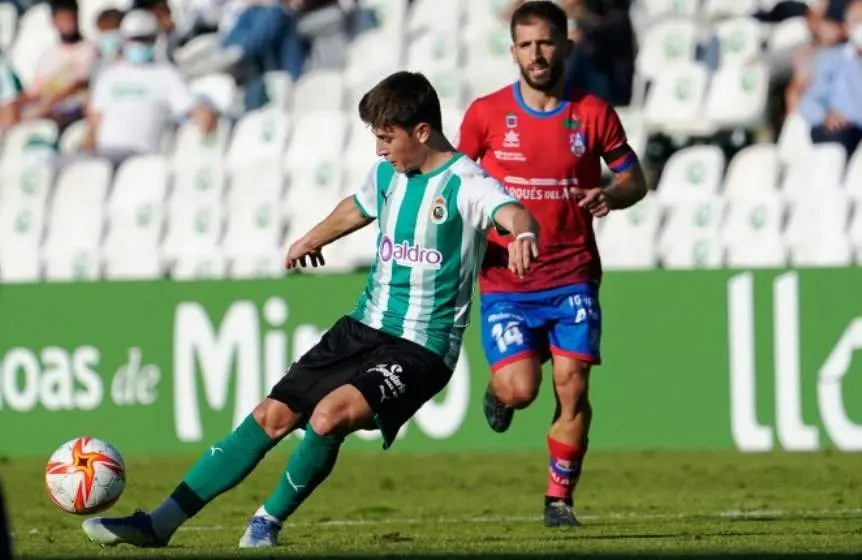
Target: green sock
223 466
309 465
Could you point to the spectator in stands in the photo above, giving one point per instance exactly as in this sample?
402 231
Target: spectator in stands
10 93
170 37
833 103
110 39
135 99
59 88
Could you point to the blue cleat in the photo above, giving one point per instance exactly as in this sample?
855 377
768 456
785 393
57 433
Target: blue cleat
136 530
261 532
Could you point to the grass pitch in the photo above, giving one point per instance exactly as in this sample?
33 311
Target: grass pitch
397 505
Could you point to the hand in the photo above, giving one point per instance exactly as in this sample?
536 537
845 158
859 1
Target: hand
522 252
835 122
299 251
595 200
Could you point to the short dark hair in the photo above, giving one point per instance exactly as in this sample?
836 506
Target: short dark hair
542 10
109 15
403 99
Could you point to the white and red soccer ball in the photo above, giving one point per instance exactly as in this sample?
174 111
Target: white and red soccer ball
85 475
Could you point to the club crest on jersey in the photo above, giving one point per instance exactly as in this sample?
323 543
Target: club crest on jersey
439 212
578 143
511 120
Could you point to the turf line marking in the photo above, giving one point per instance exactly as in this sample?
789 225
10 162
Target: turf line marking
729 514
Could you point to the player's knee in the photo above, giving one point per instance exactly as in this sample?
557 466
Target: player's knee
275 417
516 391
329 419
341 412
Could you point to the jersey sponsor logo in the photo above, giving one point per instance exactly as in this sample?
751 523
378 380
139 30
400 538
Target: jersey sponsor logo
391 385
439 212
578 143
511 139
408 255
503 155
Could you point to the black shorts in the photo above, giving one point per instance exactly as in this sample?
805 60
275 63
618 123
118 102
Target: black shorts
395 376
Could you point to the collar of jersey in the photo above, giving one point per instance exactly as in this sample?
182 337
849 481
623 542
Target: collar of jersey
437 170
516 90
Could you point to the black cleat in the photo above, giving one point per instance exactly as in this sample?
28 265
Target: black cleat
498 415
560 514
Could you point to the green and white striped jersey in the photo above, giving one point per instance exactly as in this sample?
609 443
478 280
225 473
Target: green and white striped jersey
432 240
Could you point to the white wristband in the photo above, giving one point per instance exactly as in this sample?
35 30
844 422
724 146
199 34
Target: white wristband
525 235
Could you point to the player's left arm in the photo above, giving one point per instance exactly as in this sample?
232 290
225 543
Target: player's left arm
629 183
485 203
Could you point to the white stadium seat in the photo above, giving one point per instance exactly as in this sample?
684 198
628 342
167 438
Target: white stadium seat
259 136
35 34
320 138
691 237
29 183
693 173
217 89
818 171
435 49
740 40
737 96
725 8
663 45
752 230
372 56
853 178
754 170
627 240
192 148
426 15
26 137
789 34
794 140
193 229
8 25
22 225
319 90
263 182
816 229
487 43
279 89
263 262
675 101
202 265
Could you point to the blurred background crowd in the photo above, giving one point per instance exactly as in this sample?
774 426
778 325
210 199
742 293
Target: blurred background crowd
190 138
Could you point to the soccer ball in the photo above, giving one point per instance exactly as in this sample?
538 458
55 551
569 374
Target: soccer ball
85 475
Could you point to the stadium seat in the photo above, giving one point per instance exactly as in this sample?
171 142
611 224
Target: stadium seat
855 232
264 262
372 56
632 120
31 184
737 96
675 101
77 221
22 224
489 77
218 89
259 136
136 212
253 225
279 89
361 247
435 49
28 137
664 44
478 11
691 174
627 240
319 138
691 239
754 170
449 85
391 14
452 118
789 34
794 140
740 40
714 9
487 43
193 149
853 178
8 25
319 90
817 227
206 183
361 150
751 233
261 182
424 15
193 228
313 191
819 171
203 265
35 34
73 138
656 10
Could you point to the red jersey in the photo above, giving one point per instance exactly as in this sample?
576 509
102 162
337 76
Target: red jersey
540 157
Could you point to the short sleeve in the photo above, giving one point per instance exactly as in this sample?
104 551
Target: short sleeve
614 145
178 94
365 196
471 138
479 198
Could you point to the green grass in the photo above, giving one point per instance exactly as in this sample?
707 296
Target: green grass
658 505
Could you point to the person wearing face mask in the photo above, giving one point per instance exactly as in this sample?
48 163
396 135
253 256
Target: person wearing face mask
59 88
138 98
833 103
110 40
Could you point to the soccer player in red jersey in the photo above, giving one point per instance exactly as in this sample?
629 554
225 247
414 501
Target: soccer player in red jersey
544 141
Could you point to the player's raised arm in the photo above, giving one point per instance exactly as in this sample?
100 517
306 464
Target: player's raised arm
346 218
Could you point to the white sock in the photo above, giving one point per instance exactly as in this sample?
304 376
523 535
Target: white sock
167 518
261 512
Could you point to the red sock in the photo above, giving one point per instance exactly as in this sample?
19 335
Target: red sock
564 469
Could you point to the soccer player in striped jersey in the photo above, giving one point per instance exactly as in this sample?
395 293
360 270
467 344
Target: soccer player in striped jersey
380 363
545 141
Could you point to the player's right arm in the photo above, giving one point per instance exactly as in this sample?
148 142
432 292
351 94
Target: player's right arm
351 214
472 138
